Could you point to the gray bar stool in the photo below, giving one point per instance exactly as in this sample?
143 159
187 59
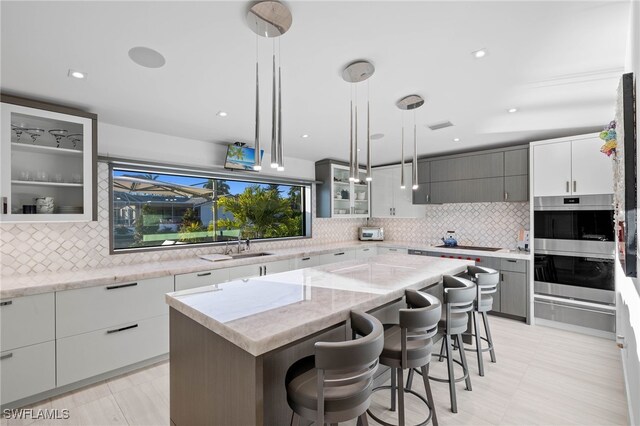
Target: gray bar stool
334 385
459 296
408 345
486 280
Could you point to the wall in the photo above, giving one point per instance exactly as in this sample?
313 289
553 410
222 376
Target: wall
627 289
36 248
480 224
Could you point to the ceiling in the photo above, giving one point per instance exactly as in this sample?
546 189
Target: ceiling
558 62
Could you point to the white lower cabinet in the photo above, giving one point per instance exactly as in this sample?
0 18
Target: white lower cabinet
27 371
89 354
201 279
364 252
306 262
337 256
26 320
94 308
267 268
392 250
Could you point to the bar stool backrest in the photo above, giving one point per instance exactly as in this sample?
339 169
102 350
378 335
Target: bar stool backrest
459 296
341 364
420 321
486 279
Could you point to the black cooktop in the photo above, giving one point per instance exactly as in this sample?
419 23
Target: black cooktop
471 248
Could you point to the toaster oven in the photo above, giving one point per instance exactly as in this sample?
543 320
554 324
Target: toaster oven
371 233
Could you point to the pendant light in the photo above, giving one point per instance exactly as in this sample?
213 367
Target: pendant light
270 19
402 185
354 73
408 103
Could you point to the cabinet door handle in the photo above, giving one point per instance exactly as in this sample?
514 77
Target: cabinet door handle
306 258
204 274
575 184
506 195
365 249
261 271
511 260
6 356
390 211
501 276
6 303
392 249
117 330
115 287
427 198
567 186
265 269
338 254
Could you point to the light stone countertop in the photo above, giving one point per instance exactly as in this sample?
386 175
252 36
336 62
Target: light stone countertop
46 282
264 313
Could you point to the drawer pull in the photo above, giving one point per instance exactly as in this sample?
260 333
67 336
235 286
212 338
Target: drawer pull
512 261
6 303
393 249
204 274
306 258
117 330
365 249
115 287
6 356
338 254
265 269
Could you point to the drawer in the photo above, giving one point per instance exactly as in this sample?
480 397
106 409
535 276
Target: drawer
306 262
27 320
87 355
94 308
201 279
392 250
276 267
575 315
337 256
513 265
246 271
27 371
365 252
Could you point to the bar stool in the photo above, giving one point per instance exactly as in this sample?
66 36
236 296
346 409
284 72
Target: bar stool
408 345
486 280
459 295
334 385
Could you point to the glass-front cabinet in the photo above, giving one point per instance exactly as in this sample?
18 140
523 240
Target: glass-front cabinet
47 162
337 196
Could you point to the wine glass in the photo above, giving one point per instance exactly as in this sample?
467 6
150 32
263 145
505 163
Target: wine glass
19 130
34 133
58 134
75 138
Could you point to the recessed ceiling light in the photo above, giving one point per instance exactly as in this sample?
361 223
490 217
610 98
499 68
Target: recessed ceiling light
480 53
146 57
456 139
512 110
77 74
221 114
305 136
377 136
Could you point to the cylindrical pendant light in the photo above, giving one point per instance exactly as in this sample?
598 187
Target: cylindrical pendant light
270 19
358 72
410 102
402 185
369 178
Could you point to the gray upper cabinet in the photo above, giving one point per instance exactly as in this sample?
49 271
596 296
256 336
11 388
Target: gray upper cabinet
516 162
468 191
516 188
424 171
475 166
422 195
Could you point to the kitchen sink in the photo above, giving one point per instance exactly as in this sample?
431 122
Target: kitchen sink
246 255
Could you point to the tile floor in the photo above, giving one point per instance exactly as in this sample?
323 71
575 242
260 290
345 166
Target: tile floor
543 376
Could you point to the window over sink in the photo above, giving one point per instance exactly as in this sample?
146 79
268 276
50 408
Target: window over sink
153 209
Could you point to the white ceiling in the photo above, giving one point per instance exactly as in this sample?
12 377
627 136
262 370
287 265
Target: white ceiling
558 62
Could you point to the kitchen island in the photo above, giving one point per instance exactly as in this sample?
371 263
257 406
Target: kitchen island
231 343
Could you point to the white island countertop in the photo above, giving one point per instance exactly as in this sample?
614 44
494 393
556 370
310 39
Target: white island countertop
264 313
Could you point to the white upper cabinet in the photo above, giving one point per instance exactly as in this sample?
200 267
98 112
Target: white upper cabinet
47 159
571 166
337 196
388 199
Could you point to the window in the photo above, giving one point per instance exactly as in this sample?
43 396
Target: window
152 210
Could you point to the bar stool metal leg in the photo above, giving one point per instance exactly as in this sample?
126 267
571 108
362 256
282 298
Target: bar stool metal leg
427 388
492 351
394 387
452 383
400 398
463 359
476 330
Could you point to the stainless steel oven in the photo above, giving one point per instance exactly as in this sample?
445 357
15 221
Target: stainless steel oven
574 244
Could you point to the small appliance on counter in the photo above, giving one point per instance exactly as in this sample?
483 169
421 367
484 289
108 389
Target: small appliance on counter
371 233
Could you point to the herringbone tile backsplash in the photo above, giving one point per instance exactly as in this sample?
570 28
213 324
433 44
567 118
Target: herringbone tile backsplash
50 247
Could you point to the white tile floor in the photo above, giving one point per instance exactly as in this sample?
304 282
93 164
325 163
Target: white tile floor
543 376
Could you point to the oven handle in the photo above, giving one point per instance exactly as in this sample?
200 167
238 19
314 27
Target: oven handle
574 254
568 305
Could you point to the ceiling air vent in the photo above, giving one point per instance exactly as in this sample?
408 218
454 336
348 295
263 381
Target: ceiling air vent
438 126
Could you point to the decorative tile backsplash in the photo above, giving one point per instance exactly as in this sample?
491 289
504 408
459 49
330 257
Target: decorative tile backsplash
479 224
51 247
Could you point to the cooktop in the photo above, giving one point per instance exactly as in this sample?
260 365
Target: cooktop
471 248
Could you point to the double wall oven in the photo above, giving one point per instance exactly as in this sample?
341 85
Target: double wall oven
574 246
